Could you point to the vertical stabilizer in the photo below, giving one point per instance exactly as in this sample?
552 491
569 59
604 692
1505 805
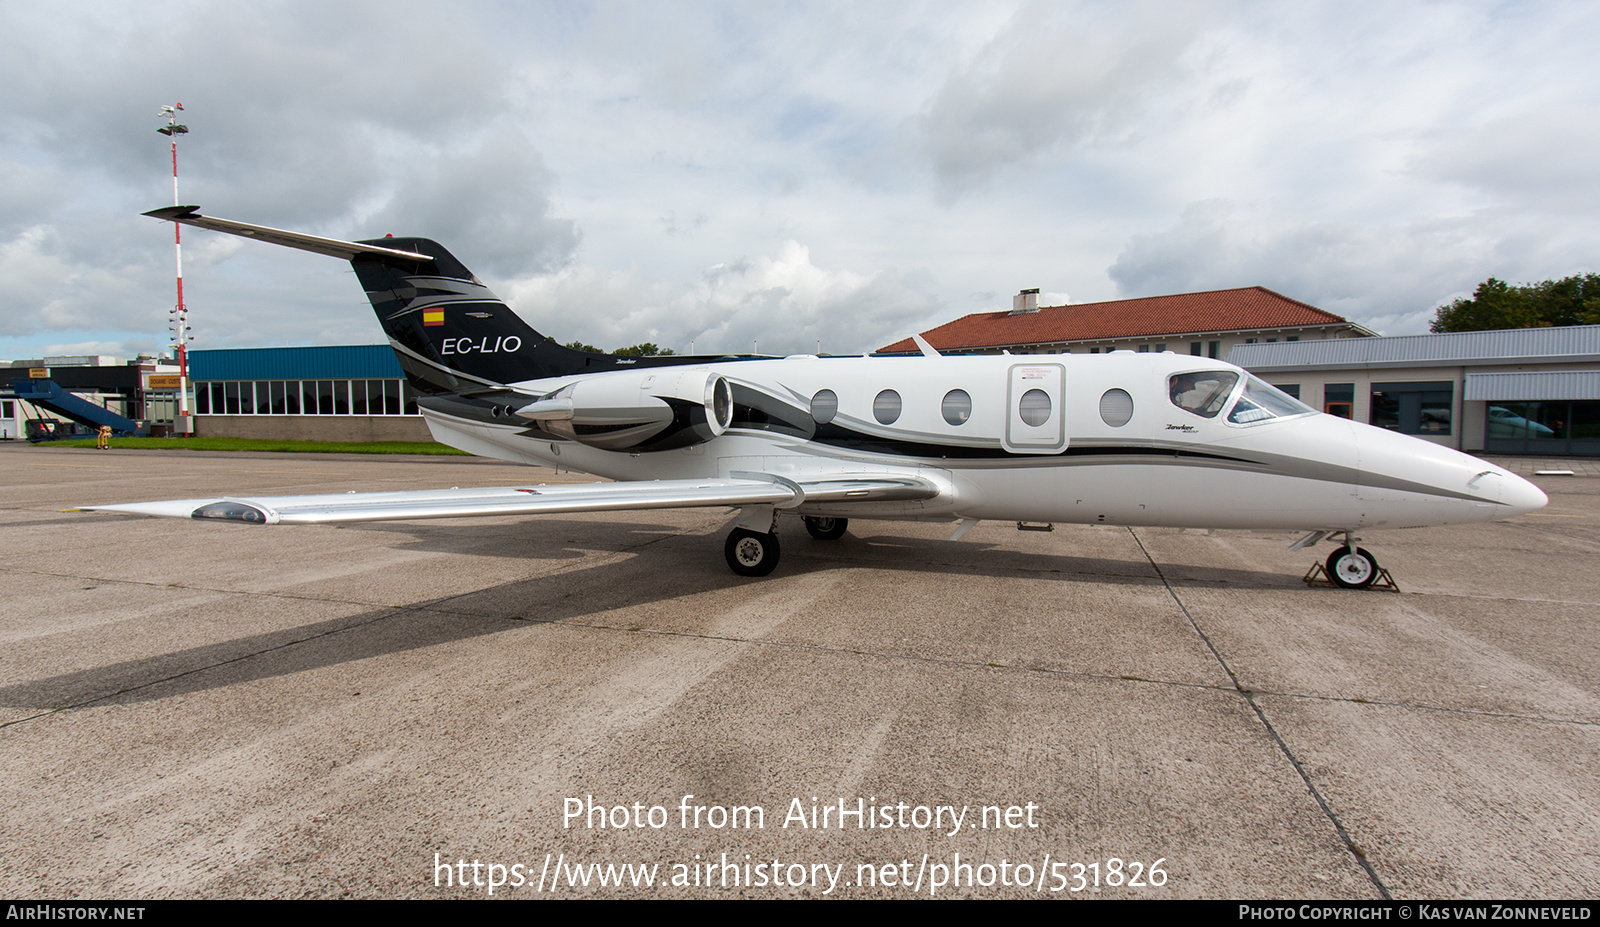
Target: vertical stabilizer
450 333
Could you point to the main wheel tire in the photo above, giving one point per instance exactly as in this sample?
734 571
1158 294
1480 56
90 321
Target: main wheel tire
824 528
1355 569
751 554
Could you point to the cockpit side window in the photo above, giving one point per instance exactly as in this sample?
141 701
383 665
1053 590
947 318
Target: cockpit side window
1261 401
1204 392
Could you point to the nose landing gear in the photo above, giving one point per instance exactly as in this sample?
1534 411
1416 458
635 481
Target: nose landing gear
1350 567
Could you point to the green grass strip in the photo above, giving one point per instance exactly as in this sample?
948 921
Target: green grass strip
255 444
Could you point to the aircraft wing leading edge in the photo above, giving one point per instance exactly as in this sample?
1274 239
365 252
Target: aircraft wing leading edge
531 500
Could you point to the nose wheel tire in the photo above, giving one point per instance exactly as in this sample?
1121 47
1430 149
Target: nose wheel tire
1355 569
824 528
751 554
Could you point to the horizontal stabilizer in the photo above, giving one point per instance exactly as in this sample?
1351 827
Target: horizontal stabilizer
528 500
333 247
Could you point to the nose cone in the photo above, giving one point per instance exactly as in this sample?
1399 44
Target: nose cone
1520 496
1414 482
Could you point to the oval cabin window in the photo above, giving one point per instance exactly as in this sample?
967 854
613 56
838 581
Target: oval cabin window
1034 407
886 407
1116 407
824 406
957 407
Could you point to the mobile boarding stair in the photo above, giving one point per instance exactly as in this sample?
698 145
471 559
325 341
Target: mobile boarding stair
50 396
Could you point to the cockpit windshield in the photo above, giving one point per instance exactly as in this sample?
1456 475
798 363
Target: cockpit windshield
1204 393
1261 401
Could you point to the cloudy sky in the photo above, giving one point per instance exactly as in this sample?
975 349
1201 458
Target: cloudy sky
792 176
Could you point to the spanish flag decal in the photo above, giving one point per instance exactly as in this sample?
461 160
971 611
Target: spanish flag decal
433 317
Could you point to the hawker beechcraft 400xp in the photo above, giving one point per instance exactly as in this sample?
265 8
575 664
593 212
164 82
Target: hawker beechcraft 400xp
1098 439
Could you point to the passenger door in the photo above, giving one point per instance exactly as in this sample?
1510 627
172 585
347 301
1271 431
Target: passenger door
1036 409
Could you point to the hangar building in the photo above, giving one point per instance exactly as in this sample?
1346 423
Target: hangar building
340 393
1526 391
343 393
144 389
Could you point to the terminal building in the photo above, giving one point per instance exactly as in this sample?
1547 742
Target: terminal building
1525 391
1519 391
144 389
342 393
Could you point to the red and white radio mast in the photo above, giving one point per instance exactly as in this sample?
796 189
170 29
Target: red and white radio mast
180 315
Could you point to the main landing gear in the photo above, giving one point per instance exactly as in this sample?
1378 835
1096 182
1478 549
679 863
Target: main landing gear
825 528
753 552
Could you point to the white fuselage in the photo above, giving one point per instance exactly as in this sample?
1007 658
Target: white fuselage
1080 455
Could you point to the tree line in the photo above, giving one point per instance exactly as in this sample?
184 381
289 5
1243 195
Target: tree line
642 349
1495 304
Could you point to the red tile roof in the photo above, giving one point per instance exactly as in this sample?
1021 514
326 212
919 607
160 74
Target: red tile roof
1253 307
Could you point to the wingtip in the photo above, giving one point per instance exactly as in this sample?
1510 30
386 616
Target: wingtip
172 212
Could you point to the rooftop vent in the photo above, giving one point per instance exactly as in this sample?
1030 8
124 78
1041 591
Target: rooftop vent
1025 302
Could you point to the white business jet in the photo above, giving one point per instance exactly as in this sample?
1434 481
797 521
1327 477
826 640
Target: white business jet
1105 439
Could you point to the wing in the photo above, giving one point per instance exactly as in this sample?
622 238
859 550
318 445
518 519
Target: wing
740 490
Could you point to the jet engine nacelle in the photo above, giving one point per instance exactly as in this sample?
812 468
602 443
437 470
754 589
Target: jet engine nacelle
651 409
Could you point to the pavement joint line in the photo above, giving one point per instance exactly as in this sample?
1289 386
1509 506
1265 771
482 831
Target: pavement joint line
1545 531
435 607
1288 584
1500 598
431 606
386 611
888 655
199 669
1418 706
1249 697
1022 571
391 609
1078 674
601 560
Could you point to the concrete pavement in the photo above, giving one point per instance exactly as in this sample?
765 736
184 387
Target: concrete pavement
221 710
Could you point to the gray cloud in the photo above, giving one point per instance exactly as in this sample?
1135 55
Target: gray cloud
493 198
1390 277
1053 78
783 303
327 118
1543 159
49 289
1368 157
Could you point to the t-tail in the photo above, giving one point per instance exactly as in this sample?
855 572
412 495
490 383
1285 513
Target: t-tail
450 333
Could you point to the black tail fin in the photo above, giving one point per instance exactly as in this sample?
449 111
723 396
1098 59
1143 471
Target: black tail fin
449 332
